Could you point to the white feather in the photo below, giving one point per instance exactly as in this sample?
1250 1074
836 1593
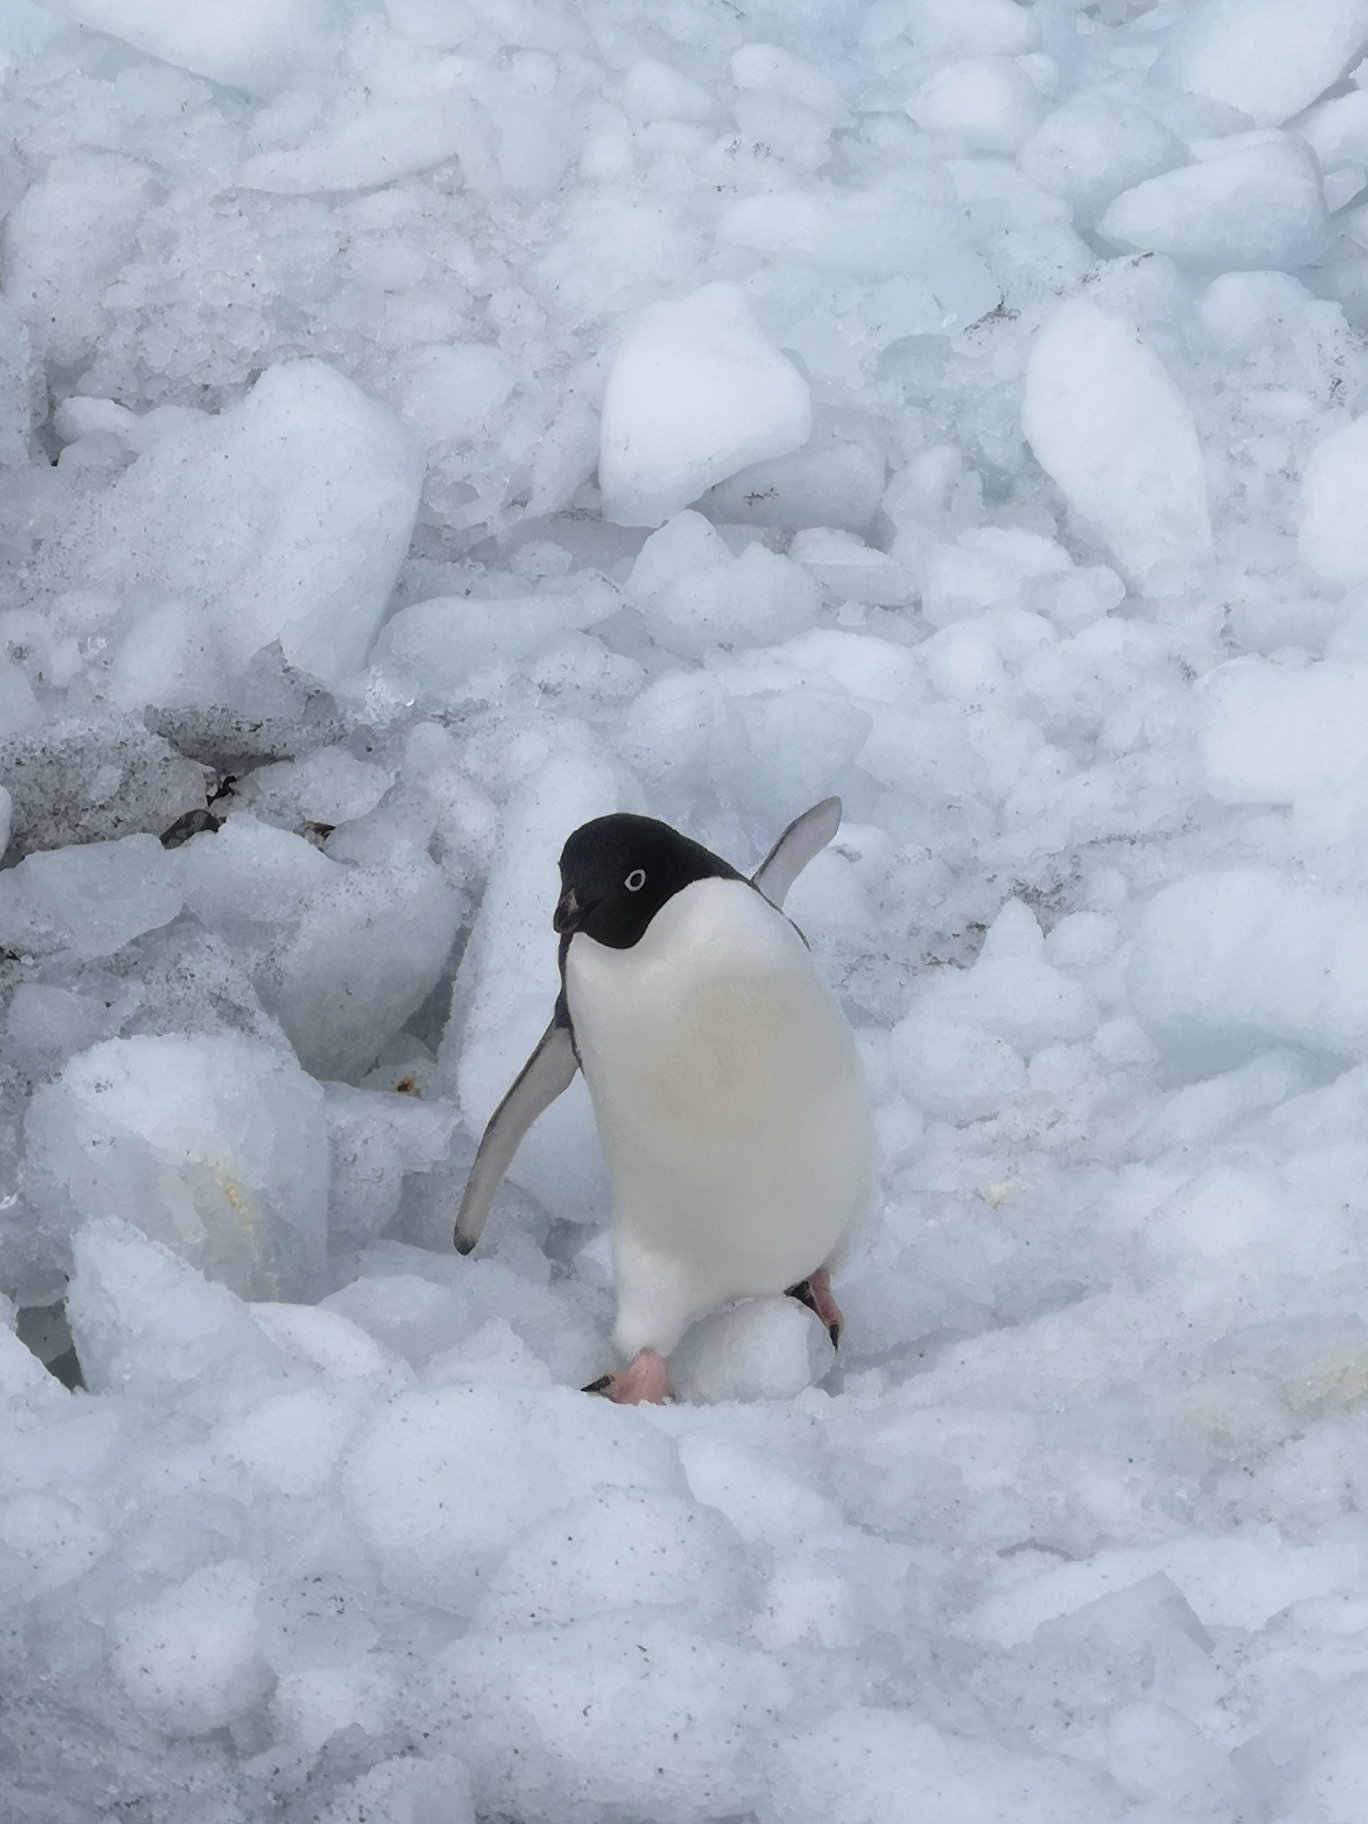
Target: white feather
730 1103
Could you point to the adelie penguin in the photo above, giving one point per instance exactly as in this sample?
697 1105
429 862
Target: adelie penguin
727 1092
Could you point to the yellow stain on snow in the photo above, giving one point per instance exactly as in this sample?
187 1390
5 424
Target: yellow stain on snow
241 1205
995 1195
1247 1410
1341 1382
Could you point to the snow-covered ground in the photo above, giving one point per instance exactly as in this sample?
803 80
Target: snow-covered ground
425 425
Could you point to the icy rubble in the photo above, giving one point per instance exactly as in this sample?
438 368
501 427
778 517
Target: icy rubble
426 425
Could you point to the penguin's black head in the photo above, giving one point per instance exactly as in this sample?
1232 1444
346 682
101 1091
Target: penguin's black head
617 872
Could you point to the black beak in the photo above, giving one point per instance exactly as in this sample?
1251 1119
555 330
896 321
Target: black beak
570 914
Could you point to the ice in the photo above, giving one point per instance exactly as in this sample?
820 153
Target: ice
690 588
694 393
341 953
849 568
328 1341
17 380
89 900
770 1349
406 1791
1011 989
1275 736
578 1725
189 1660
442 1480
1268 58
145 1320
455 391
858 1765
64 240
954 1067
1337 131
426 426
1097 145
988 568
403 111
216 1146
1254 204
977 27
328 786
376 1137
1226 963
436 649
653 90
1108 424
286 518
258 47
989 103
96 780
1329 536
837 478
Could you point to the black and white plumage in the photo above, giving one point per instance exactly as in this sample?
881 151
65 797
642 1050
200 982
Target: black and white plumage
727 1092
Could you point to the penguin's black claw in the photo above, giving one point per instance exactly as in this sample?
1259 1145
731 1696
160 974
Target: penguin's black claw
815 1293
601 1385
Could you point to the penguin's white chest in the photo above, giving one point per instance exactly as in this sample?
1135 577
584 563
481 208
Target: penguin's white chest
729 1101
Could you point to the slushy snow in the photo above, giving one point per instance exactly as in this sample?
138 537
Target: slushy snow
424 427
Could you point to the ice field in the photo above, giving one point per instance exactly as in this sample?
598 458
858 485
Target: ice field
426 425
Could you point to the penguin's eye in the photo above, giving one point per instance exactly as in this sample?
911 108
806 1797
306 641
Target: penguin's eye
636 880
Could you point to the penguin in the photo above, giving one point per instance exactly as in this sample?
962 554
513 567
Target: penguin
727 1091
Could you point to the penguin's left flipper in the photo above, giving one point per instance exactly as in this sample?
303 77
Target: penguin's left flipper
548 1073
804 838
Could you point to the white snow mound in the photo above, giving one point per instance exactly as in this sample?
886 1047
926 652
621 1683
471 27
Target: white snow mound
1274 735
216 1146
257 45
1268 58
1108 424
1333 535
694 393
286 518
1227 963
1255 206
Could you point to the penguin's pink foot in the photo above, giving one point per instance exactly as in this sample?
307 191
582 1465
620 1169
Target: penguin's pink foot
815 1293
645 1383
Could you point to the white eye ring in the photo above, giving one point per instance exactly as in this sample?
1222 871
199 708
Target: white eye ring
636 880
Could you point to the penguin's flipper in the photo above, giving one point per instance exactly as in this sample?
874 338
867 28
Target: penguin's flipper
805 837
547 1074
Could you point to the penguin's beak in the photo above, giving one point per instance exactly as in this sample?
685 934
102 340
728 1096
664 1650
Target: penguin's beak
570 914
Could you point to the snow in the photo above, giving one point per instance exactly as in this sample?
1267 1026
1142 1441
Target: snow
426 426
1099 143
1268 58
1279 736
1106 421
1330 535
286 518
694 393
216 1145
1255 204
1226 961
257 47
989 103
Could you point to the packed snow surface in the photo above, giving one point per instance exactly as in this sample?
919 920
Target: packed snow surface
428 424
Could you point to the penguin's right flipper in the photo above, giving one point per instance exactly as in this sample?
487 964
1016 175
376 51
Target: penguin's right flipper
547 1074
805 837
